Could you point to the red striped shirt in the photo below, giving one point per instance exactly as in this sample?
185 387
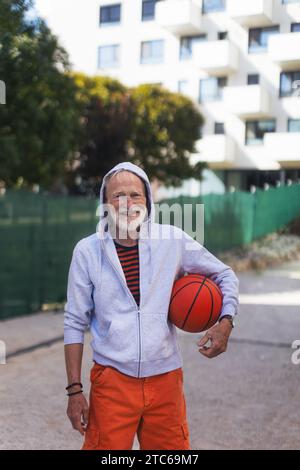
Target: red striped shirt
129 259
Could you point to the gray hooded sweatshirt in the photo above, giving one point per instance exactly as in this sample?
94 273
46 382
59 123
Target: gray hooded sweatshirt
139 341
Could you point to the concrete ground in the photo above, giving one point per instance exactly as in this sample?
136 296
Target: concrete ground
247 398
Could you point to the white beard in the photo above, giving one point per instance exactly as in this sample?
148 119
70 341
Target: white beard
119 219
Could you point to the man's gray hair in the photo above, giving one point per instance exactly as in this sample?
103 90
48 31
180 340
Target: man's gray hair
120 170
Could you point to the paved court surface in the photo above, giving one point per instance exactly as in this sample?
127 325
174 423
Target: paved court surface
248 398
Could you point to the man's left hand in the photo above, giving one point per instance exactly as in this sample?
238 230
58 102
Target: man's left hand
218 336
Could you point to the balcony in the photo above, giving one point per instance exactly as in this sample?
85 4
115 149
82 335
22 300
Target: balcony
251 101
284 50
283 147
216 149
251 13
179 16
216 57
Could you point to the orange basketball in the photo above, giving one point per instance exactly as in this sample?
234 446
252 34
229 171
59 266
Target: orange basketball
195 304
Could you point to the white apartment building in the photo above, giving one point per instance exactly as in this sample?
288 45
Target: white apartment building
238 60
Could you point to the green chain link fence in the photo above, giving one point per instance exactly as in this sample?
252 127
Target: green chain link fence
37 236
238 218
38 233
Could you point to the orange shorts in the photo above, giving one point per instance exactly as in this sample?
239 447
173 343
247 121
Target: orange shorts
121 406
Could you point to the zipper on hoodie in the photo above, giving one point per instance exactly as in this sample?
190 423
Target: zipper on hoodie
139 323
133 301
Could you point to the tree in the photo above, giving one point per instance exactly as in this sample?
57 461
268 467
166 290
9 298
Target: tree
57 124
147 125
40 121
107 115
166 127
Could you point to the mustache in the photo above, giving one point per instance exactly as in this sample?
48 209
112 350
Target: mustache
131 210
116 215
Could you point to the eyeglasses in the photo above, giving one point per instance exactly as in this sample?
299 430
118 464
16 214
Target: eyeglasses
134 197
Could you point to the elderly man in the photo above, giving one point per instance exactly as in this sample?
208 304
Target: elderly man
120 283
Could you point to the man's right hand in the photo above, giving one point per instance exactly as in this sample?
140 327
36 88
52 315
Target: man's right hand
78 412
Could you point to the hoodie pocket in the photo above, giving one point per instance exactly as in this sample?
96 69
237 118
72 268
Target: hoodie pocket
157 339
120 343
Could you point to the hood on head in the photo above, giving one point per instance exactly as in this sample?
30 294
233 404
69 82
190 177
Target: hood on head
102 226
139 172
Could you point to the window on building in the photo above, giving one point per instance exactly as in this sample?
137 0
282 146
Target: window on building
183 86
211 89
110 14
148 9
222 35
286 2
255 130
290 84
294 125
109 56
210 6
253 79
152 52
258 38
295 27
219 128
187 43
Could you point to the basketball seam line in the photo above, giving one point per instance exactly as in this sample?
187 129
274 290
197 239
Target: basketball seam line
190 309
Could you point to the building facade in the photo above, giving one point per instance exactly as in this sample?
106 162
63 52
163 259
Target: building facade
238 60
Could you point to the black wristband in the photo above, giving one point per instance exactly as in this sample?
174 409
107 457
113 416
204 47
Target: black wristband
73 385
229 318
74 393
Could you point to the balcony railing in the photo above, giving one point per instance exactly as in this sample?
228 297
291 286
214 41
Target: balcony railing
284 49
251 13
283 146
250 101
179 16
216 57
217 149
